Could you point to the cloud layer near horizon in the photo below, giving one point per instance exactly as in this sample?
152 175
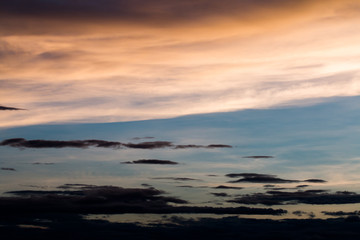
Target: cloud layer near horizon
92 61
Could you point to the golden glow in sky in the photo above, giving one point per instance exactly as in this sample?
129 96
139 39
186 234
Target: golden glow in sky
101 61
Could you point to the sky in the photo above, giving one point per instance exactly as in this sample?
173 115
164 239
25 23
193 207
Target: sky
188 113
111 61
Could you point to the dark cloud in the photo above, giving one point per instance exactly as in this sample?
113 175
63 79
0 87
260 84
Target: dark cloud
341 213
318 197
152 161
258 178
258 157
159 12
202 146
227 187
23 143
109 199
218 146
186 186
149 145
315 181
220 194
302 186
8 169
146 185
10 108
266 178
299 213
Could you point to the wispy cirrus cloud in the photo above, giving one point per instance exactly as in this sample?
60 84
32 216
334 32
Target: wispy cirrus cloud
79 56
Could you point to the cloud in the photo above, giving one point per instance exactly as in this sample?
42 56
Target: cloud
23 143
202 146
341 213
267 178
317 197
258 178
157 12
152 161
258 157
220 194
149 145
8 169
88 199
227 187
9 108
315 181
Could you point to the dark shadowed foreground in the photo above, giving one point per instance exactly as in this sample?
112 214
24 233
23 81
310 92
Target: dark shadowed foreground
72 226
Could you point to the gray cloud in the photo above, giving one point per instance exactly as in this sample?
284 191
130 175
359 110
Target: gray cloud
258 178
152 161
8 169
267 178
315 181
10 108
227 187
318 197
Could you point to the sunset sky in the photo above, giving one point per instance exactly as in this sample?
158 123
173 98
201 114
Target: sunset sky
110 61
142 109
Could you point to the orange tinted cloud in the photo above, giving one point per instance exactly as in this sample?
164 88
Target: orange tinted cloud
129 60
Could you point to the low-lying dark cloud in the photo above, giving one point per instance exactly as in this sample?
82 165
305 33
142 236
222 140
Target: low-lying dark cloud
258 178
10 108
318 197
152 161
86 199
258 157
202 146
266 178
220 194
149 145
315 181
8 169
341 213
23 143
227 187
